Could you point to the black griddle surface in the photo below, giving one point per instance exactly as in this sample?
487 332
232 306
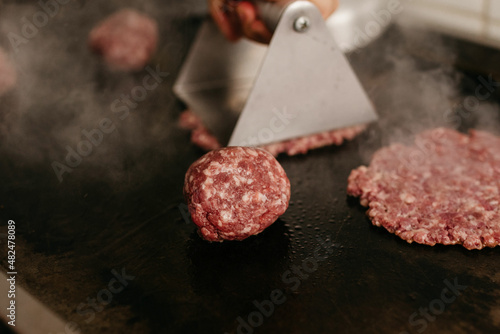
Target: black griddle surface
125 213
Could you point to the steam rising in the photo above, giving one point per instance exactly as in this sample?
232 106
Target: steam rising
415 93
63 88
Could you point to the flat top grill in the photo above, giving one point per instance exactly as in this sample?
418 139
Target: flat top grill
122 209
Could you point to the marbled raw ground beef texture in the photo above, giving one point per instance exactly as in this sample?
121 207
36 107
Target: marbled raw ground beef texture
201 137
235 192
126 40
444 189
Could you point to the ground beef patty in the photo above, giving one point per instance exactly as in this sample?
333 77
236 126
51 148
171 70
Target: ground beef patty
302 145
126 40
444 189
235 192
201 137
8 75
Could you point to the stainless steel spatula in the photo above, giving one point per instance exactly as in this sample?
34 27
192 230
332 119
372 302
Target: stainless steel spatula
248 94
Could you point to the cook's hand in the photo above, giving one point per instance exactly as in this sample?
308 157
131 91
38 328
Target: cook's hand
237 18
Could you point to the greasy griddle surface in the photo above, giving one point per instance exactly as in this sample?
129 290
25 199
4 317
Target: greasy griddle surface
71 235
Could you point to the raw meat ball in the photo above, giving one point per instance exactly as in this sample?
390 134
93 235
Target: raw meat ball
126 40
235 192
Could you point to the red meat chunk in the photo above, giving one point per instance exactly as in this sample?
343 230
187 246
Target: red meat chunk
126 40
235 192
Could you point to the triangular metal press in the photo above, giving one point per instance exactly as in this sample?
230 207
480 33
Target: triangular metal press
249 94
305 85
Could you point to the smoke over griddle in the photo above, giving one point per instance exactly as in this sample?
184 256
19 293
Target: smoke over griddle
414 83
67 101
69 113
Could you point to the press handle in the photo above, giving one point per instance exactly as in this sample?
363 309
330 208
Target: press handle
270 12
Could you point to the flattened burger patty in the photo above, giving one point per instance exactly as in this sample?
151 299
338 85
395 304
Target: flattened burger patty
126 40
235 192
444 189
302 145
201 137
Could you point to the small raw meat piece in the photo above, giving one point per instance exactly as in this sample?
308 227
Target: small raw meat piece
189 121
8 75
201 137
444 189
235 192
126 40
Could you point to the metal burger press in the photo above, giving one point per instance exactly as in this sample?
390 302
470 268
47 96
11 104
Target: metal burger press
249 94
